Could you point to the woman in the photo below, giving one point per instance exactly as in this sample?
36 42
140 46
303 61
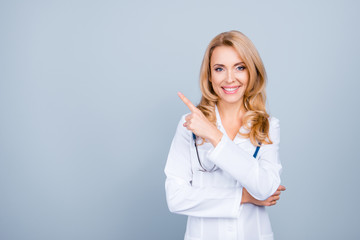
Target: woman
223 166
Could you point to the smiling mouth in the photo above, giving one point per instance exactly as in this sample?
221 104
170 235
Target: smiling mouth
230 90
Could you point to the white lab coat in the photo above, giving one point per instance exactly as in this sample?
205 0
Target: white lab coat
211 200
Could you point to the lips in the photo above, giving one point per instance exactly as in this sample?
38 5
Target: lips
230 89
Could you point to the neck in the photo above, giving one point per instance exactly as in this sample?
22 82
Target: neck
230 111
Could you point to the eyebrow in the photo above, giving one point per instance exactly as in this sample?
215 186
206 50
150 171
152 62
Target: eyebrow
222 65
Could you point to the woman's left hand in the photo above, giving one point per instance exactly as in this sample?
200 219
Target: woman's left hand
199 124
247 198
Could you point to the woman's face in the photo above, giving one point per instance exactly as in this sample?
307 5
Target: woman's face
229 75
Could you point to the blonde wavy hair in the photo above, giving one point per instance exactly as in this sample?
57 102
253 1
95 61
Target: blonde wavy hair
255 118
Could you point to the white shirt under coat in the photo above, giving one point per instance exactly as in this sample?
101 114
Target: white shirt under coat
211 200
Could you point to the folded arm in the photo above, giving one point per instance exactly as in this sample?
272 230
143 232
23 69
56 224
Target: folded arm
260 177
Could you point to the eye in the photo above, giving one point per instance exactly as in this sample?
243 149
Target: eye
240 68
219 69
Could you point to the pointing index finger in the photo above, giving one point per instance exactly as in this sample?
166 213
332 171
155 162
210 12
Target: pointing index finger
187 102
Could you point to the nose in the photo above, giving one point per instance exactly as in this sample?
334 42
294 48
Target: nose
230 77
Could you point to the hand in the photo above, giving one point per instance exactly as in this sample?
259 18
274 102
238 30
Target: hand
199 124
247 198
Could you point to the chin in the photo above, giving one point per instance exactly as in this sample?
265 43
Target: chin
231 100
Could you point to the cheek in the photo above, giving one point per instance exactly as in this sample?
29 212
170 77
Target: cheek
215 86
215 81
247 77
243 77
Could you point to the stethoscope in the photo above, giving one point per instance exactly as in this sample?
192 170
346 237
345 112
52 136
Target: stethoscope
214 168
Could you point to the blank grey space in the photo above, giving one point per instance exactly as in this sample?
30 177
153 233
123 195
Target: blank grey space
89 107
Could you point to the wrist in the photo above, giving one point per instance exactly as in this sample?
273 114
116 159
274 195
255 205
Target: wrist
216 137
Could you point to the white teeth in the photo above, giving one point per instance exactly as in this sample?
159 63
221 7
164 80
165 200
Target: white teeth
231 89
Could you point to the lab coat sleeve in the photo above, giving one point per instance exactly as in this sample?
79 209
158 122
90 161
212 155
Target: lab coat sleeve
182 197
261 177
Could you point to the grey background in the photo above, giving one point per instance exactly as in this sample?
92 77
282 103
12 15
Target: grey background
89 107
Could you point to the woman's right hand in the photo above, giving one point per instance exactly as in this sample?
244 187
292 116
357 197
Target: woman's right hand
247 198
199 124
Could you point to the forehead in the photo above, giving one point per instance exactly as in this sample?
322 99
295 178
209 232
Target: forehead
225 55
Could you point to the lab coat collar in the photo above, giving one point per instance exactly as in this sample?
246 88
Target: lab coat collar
238 138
